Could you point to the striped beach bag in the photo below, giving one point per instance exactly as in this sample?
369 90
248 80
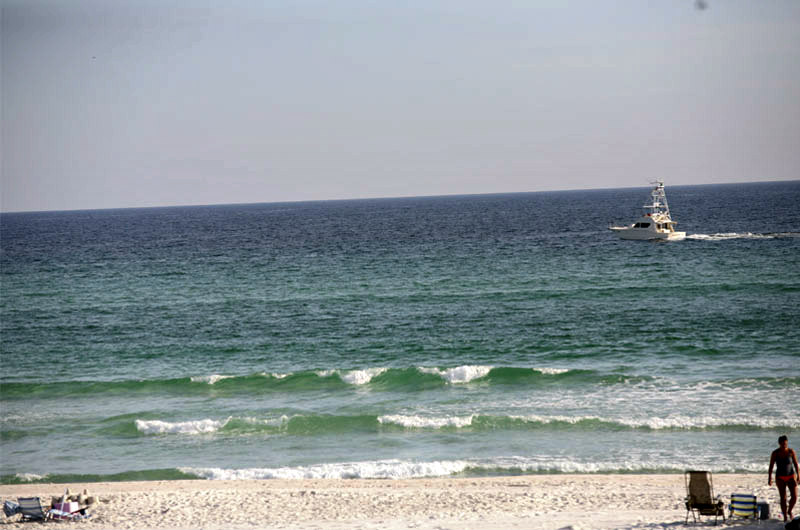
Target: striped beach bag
744 505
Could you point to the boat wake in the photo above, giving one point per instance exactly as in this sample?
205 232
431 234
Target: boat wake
742 235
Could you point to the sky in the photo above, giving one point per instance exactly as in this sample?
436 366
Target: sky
131 103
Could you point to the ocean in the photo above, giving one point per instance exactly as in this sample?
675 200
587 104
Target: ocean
399 338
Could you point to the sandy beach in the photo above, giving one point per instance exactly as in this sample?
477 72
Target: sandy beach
539 501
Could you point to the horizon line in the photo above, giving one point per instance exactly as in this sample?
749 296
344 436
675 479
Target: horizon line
351 199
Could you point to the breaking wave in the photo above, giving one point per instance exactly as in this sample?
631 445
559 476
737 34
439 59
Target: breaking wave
181 427
384 469
322 424
391 469
376 378
405 469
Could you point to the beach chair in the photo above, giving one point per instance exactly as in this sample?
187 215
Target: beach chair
31 509
744 505
700 499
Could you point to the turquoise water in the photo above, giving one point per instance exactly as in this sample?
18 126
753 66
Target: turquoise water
436 336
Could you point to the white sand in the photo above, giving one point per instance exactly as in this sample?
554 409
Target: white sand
585 502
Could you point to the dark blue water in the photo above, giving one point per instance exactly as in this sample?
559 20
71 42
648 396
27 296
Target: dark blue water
400 337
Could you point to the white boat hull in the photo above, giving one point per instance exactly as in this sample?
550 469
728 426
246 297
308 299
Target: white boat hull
643 234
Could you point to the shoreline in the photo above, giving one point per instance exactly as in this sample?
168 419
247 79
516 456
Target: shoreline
550 502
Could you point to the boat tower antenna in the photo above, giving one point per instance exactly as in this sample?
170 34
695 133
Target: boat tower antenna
659 204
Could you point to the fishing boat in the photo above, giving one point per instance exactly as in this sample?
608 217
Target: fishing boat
656 223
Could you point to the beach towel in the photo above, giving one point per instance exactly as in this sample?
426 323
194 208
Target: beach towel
68 511
60 515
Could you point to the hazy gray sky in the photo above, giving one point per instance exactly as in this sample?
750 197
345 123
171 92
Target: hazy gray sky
117 103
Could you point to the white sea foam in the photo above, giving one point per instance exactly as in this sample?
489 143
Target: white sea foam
534 418
210 379
670 422
182 427
403 469
384 469
353 377
278 422
361 377
552 371
459 374
705 422
420 422
565 465
273 422
29 477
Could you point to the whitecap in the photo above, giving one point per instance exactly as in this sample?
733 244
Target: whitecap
273 422
563 465
29 477
382 469
551 371
705 422
403 469
361 377
670 422
420 422
353 377
182 427
210 379
459 374
533 418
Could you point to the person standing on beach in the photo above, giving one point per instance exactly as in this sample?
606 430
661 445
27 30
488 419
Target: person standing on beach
787 474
